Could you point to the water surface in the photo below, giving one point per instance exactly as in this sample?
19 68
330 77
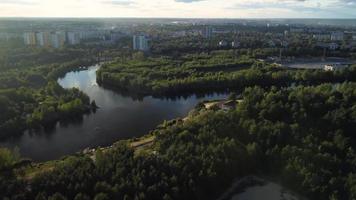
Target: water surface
270 191
317 63
119 117
254 188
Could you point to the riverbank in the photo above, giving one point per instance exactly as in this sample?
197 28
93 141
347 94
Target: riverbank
126 117
199 158
120 117
28 170
256 188
141 145
317 63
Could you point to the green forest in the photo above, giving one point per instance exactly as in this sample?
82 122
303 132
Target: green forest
295 126
30 97
303 136
206 72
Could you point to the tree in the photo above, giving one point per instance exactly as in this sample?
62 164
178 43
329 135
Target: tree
57 196
101 196
232 96
8 158
81 196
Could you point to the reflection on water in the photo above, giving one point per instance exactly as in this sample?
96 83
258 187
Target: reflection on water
317 63
254 188
119 117
270 191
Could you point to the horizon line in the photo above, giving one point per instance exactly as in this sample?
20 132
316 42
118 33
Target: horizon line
100 17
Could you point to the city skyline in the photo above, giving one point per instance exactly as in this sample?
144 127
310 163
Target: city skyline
180 8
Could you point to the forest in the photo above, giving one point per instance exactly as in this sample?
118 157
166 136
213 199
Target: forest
295 126
303 136
206 72
30 97
257 40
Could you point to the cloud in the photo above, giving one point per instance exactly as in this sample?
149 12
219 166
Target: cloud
264 4
342 4
188 1
181 8
279 8
293 0
348 2
18 2
119 2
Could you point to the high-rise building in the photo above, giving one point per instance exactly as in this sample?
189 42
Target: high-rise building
322 37
337 36
140 42
235 44
73 38
30 38
54 40
222 43
40 39
58 39
43 39
62 37
208 32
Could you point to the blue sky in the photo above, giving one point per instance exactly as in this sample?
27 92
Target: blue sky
180 8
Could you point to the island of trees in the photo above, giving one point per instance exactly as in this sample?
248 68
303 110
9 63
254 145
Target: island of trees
30 97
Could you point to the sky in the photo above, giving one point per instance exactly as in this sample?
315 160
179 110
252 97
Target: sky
180 8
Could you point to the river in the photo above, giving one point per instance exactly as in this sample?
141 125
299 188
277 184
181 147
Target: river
119 117
254 188
315 63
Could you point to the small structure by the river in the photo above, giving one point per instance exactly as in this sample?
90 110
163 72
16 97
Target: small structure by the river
334 67
224 105
227 105
329 64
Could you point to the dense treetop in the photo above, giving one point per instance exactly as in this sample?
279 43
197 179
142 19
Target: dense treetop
296 125
203 72
302 135
30 96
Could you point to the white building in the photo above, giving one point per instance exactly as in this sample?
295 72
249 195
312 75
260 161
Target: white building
222 43
235 44
40 39
43 39
337 36
207 32
140 42
333 46
91 34
54 40
329 68
334 67
286 33
321 37
29 38
58 39
73 38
